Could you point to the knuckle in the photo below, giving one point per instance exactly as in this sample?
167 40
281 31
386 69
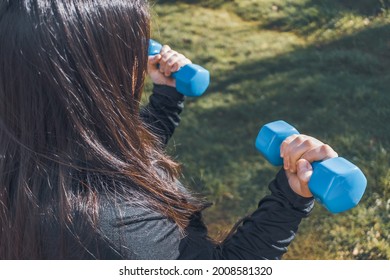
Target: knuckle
166 47
289 139
332 152
300 140
308 142
165 57
326 149
284 144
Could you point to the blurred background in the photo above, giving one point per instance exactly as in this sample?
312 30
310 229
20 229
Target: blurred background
321 65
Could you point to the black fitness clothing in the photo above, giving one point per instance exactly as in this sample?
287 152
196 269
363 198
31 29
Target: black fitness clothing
162 112
134 232
139 233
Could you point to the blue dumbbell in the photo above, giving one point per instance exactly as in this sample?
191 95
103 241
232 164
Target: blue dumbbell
191 79
336 183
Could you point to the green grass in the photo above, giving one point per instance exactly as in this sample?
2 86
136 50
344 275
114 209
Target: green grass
320 65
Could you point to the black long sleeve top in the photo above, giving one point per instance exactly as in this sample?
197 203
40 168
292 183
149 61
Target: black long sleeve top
140 233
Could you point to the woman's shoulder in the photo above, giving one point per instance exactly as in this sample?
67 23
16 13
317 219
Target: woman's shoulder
137 231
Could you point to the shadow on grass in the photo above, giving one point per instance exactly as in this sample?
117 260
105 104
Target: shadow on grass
337 92
301 16
204 3
332 89
305 17
363 7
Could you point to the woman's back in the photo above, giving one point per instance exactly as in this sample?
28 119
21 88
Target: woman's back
71 79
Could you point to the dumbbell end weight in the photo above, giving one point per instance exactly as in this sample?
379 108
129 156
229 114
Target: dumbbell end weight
192 81
154 47
270 138
339 183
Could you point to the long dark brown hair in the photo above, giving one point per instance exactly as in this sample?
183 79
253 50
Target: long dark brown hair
71 78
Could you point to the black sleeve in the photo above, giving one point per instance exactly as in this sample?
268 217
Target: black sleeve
265 234
140 233
161 114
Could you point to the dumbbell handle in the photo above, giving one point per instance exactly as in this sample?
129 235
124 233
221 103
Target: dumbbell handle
191 79
337 183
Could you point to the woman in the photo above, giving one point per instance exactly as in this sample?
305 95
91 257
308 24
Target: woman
83 173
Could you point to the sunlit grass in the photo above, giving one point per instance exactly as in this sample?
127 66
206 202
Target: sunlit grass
320 65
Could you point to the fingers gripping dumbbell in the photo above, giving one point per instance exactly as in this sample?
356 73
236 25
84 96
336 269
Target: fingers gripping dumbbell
191 79
336 183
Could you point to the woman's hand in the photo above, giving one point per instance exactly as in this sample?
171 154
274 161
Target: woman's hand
162 65
298 152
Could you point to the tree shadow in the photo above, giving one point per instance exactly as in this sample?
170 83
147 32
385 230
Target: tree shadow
336 92
204 3
305 17
347 74
364 7
302 17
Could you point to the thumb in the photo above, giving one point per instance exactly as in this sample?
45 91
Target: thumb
304 172
153 61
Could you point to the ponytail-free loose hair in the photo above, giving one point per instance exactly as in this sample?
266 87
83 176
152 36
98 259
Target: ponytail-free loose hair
71 78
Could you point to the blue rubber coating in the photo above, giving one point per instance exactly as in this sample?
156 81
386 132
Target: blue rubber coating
270 138
154 47
191 79
336 183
